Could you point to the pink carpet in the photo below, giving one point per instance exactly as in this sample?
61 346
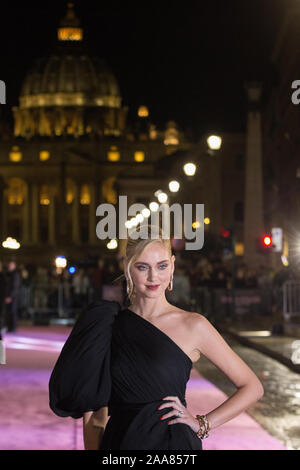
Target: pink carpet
26 421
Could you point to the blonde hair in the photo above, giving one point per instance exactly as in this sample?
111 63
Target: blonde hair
134 248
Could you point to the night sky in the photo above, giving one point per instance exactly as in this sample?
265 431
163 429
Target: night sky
187 61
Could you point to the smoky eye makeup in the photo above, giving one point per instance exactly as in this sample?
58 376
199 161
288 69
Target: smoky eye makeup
160 265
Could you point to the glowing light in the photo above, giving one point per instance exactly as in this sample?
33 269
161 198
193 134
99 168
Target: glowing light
207 221
284 260
189 169
15 155
143 111
196 224
162 197
72 269
112 244
139 156
85 195
60 262
174 186
134 222
11 243
113 154
139 217
214 142
146 213
153 206
128 224
239 249
267 240
261 333
44 155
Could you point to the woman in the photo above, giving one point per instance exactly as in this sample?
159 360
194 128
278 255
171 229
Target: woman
133 364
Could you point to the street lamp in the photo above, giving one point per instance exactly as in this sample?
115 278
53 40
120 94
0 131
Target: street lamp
146 213
174 186
214 142
11 243
189 169
112 244
60 263
162 197
153 206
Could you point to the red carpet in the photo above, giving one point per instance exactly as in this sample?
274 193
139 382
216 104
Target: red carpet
26 421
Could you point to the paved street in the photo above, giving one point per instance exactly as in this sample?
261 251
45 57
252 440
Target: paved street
279 409
26 421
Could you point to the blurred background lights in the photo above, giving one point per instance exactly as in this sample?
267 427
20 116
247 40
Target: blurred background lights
60 262
139 217
174 186
146 213
143 111
72 269
196 224
214 142
189 169
134 222
11 243
207 220
162 197
153 206
112 244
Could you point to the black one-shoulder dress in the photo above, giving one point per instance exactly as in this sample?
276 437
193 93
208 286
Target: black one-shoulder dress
116 358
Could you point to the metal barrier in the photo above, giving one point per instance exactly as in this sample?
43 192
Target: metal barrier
44 302
217 302
291 299
54 300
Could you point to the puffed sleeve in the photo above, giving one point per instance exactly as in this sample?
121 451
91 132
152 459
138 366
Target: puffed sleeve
81 380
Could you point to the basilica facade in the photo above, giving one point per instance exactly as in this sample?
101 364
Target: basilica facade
72 149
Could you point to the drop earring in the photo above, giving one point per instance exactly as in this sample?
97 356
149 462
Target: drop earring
127 286
170 286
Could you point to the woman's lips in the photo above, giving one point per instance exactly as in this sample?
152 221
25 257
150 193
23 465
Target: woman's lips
153 287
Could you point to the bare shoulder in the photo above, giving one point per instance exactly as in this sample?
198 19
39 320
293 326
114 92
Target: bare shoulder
191 319
194 318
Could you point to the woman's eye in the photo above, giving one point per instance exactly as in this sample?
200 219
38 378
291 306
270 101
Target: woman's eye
142 268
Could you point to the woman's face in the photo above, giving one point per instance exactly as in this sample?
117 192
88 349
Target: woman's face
152 268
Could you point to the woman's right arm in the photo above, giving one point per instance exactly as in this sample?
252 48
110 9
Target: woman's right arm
94 423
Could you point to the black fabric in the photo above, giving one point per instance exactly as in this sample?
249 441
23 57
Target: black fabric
81 379
116 358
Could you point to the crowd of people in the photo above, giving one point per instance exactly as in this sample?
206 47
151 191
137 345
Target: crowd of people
27 290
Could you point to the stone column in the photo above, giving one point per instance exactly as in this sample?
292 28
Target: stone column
3 211
75 216
51 217
92 215
215 205
35 205
254 220
26 222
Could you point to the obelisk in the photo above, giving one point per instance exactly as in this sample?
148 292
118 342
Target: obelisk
253 214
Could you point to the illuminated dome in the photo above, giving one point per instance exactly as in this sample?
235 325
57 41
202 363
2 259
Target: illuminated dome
69 92
70 80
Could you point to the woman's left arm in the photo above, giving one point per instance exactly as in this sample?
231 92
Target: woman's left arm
94 423
216 350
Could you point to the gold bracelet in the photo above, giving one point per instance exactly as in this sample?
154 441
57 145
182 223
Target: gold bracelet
204 426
